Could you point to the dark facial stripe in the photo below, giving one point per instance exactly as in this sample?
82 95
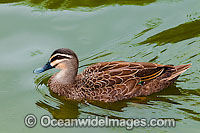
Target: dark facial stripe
58 57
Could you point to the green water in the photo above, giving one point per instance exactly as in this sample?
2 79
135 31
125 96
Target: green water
160 31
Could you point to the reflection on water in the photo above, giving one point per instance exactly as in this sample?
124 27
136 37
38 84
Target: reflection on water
150 24
68 109
176 34
194 16
9 1
86 5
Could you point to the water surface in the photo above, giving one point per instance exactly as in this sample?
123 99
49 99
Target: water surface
160 31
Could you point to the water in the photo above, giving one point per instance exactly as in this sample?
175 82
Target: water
160 31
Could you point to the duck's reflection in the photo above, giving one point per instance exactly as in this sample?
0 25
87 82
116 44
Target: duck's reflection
68 109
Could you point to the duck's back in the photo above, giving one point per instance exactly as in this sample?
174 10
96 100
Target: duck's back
113 81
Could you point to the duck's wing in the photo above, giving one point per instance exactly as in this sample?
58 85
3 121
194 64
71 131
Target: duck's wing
120 73
112 81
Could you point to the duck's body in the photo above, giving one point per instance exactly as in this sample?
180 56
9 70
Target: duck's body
109 81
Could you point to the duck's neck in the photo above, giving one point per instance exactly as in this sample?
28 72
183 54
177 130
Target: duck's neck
66 76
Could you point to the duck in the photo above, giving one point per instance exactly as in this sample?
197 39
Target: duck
107 81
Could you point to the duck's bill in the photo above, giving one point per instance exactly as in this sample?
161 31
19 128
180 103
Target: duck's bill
42 69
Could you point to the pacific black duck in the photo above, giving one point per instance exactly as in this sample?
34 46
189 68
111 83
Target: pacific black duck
107 81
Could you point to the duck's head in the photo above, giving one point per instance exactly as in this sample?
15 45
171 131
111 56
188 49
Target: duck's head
64 59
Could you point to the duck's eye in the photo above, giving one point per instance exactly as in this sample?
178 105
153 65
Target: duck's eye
58 57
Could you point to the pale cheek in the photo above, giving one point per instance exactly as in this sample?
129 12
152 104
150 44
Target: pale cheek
61 66
59 62
54 63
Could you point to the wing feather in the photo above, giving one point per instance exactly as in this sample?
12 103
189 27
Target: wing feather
118 79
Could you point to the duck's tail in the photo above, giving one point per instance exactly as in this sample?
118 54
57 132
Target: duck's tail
178 70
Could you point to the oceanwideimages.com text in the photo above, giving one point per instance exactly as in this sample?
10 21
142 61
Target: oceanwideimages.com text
130 123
